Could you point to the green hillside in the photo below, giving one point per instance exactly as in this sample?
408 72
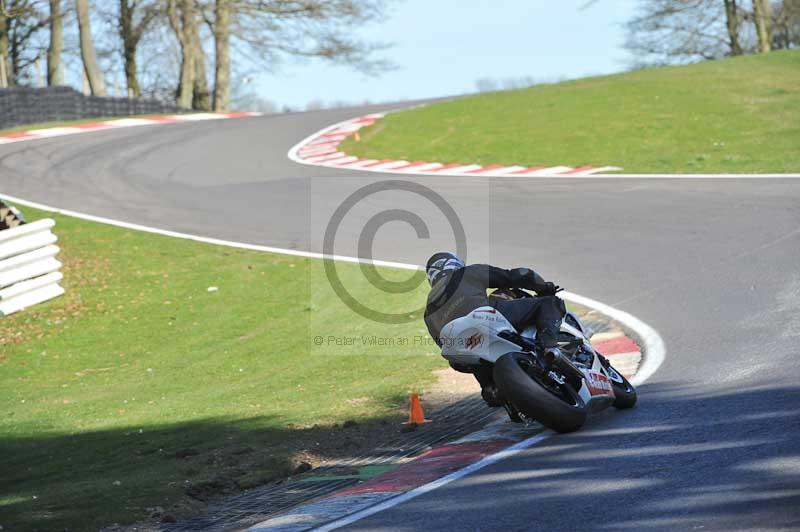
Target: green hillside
727 116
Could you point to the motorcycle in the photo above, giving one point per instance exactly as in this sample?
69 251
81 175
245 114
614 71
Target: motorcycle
558 390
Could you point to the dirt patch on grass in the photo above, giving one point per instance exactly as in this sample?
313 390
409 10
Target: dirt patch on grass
450 386
242 467
39 322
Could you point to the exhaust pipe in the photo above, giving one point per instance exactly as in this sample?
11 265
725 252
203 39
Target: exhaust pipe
556 358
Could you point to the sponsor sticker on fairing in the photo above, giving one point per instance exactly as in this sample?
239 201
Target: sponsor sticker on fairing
488 315
598 384
473 341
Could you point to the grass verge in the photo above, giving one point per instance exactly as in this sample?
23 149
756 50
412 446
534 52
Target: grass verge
728 116
140 388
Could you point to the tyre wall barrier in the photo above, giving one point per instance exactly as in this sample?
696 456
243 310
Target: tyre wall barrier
29 270
9 217
27 105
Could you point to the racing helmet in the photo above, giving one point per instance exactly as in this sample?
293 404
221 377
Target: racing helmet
439 263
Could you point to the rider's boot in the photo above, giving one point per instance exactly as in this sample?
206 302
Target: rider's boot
491 396
489 391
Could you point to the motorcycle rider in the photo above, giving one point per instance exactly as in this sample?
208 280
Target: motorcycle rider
458 289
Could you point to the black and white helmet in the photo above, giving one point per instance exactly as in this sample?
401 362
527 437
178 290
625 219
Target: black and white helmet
440 263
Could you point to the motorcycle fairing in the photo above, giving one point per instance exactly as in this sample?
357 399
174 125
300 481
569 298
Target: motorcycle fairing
477 336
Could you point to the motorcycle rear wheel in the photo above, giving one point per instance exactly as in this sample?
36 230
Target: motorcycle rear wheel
556 406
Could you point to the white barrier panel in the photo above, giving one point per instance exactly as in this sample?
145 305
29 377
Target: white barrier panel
29 299
27 229
29 285
25 243
28 267
27 258
29 271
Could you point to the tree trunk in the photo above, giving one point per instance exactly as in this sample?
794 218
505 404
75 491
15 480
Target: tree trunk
3 45
90 66
181 15
130 42
186 83
761 12
222 56
14 50
131 77
55 76
201 99
732 18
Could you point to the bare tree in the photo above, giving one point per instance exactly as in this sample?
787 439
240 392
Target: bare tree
21 22
222 56
90 67
762 16
193 86
182 16
266 31
201 99
159 60
4 64
55 74
135 17
666 31
678 30
732 22
786 25
248 35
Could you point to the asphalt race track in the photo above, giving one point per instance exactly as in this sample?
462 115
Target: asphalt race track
712 265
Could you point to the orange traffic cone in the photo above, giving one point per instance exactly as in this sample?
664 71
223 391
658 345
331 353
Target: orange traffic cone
415 414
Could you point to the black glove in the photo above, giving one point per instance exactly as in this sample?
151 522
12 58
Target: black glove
548 289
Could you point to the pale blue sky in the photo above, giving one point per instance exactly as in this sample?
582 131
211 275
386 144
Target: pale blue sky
442 47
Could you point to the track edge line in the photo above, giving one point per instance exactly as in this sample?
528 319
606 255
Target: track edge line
654 351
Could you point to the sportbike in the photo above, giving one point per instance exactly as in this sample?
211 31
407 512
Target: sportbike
556 389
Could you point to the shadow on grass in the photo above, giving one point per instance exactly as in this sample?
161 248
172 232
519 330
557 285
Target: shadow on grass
88 480
683 459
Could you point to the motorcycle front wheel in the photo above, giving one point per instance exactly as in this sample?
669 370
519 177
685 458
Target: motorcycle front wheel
554 405
624 392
